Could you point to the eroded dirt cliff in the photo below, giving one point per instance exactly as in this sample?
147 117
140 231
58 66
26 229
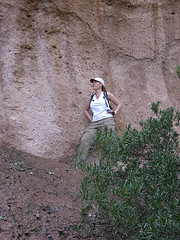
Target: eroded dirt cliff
50 49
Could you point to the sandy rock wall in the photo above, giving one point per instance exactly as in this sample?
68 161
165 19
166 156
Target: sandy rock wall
50 49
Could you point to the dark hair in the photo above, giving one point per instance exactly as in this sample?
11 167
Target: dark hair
103 88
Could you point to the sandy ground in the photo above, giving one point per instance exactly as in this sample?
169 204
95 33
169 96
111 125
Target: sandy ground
38 200
38 197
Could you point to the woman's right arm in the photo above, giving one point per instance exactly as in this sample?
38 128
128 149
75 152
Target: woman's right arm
86 111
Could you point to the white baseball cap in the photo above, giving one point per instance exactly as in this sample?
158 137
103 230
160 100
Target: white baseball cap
98 79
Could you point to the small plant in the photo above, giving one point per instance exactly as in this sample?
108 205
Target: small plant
178 71
135 187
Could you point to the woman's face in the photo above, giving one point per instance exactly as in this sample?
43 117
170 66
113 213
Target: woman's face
96 85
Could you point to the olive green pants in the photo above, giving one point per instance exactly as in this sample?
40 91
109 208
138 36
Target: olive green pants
88 137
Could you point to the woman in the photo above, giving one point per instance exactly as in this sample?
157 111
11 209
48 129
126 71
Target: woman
102 115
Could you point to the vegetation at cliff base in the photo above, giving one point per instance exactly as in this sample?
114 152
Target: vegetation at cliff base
135 186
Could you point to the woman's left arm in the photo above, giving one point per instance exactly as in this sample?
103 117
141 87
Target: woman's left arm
113 99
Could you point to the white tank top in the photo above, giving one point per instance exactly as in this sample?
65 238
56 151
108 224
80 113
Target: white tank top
99 108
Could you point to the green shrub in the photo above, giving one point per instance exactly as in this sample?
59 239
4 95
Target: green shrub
135 187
